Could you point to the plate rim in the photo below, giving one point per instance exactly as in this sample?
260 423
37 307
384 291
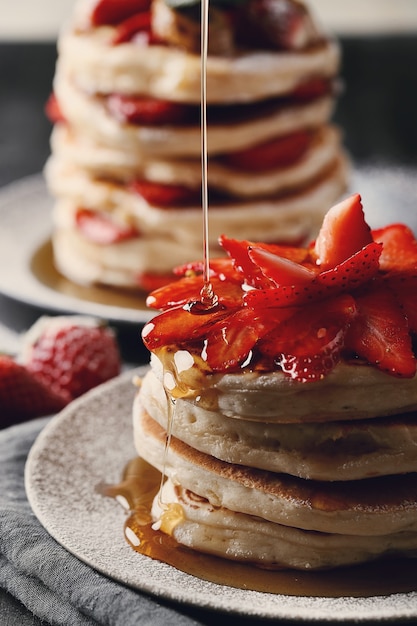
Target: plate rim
23 286
147 575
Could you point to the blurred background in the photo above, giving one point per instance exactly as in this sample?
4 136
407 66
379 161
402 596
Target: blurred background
377 108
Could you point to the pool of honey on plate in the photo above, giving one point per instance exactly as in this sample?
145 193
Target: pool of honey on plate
43 268
139 485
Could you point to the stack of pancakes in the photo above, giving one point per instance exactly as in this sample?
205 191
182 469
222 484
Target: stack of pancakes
283 415
125 165
286 475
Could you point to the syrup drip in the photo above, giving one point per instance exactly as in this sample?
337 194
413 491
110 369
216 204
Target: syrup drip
139 485
208 297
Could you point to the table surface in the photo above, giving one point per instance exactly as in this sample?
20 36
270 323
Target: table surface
376 111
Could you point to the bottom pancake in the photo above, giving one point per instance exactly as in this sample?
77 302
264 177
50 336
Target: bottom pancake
248 538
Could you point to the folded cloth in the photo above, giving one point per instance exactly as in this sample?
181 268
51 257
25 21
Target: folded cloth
50 582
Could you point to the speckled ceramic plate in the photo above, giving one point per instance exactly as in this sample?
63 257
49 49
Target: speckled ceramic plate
91 442
27 273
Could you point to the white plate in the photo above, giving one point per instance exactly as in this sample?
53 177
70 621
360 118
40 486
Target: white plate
26 270
96 430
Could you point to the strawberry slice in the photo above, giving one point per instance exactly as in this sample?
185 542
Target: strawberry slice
147 111
231 340
101 229
279 270
313 88
350 274
111 12
380 333
399 250
165 196
129 28
222 268
178 327
189 289
148 281
404 286
309 343
53 110
278 152
238 251
344 231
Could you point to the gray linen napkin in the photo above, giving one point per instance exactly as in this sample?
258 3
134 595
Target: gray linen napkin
53 584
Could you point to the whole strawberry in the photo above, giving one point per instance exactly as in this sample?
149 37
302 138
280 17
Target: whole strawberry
71 354
22 396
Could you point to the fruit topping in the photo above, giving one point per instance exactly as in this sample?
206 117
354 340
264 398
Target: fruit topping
101 229
277 152
166 195
300 310
22 395
110 12
146 111
71 354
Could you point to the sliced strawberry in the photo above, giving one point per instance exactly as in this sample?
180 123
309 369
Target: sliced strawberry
350 274
101 229
147 111
22 396
177 326
275 153
111 12
230 341
380 333
239 253
188 289
132 26
344 231
148 281
399 250
219 267
312 88
404 286
164 195
309 343
53 110
279 270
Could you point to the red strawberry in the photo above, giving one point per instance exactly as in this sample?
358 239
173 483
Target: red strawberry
101 229
115 11
129 28
279 270
230 341
343 232
164 195
309 343
313 88
178 326
278 152
399 250
380 333
239 253
222 268
22 396
53 110
350 274
188 289
71 354
404 286
147 281
147 111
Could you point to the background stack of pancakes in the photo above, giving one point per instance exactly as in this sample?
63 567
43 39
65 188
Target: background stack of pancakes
125 167
283 474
